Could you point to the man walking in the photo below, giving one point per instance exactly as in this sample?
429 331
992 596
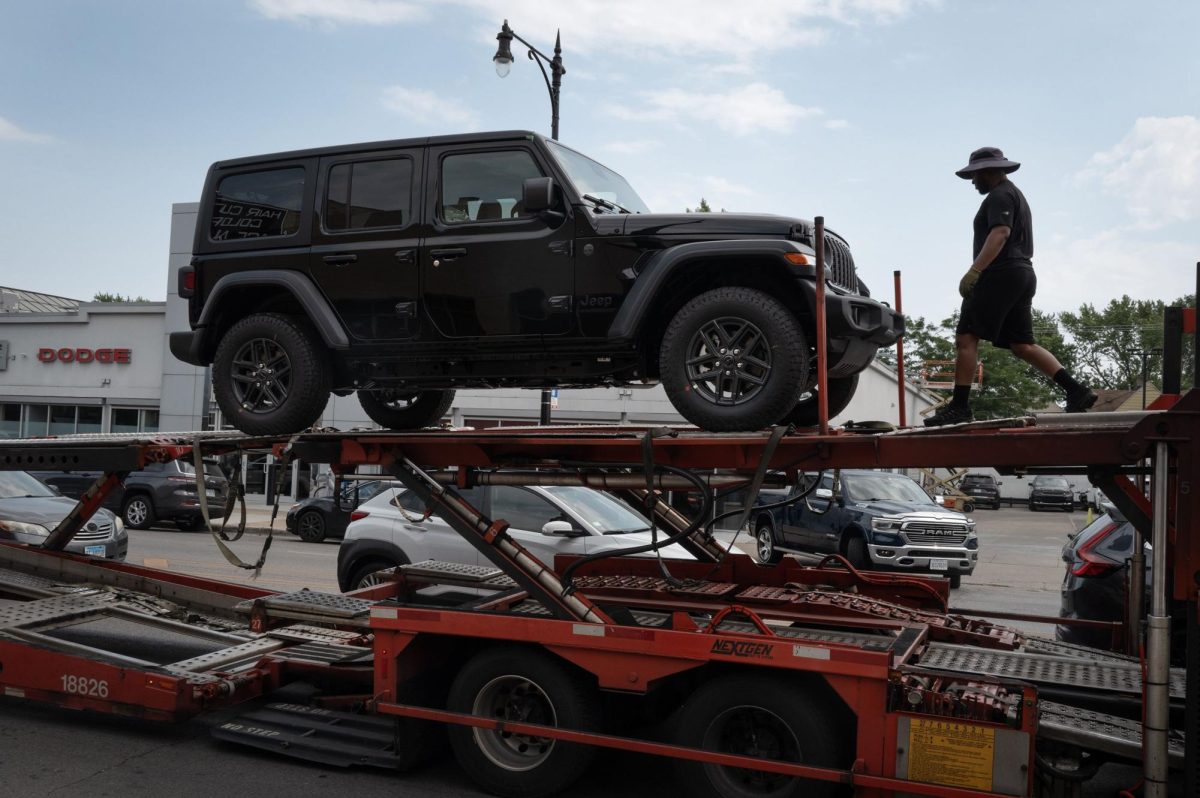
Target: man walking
998 289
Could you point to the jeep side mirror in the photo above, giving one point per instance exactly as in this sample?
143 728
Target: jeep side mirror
562 529
537 194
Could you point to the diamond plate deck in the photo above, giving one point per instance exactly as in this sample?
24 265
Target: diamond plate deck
1100 732
313 603
1044 669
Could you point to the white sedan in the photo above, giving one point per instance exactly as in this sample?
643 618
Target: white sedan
390 529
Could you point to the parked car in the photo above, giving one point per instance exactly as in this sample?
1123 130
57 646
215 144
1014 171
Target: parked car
875 519
404 270
30 510
388 530
983 489
314 520
161 492
1046 491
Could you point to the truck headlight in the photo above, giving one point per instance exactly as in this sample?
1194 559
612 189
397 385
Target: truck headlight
885 523
19 528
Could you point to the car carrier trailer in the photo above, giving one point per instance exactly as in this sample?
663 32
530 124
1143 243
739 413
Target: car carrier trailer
775 678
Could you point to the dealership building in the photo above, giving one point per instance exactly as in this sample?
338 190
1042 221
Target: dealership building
69 366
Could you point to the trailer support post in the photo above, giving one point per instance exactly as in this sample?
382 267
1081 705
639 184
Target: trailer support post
1158 648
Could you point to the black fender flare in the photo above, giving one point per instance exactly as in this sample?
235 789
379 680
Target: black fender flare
305 291
363 550
660 266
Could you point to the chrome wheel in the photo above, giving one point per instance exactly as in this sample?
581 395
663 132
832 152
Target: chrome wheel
261 375
136 512
765 546
728 361
515 699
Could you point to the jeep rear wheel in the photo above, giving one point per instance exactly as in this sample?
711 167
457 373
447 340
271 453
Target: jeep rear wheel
734 359
395 409
806 414
271 375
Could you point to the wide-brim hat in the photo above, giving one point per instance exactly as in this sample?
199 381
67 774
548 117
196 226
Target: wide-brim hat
987 158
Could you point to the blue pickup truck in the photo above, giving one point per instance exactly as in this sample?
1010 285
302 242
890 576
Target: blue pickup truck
875 519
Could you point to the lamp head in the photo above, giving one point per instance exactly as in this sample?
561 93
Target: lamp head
503 58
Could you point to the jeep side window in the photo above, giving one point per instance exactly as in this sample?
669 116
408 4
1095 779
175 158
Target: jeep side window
257 205
485 186
369 194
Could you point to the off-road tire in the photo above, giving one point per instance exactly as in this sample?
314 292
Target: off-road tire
756 714
308 375
387 408
783 342
138 512
764 543
310 526
521 684
806 412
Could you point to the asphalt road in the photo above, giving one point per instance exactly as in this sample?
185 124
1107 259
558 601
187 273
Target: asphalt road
46 751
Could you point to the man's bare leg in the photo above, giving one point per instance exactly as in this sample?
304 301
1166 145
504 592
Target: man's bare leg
1038 357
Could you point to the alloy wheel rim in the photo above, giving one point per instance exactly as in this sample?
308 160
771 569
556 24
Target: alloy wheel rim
764 544
310 525
515 699
728 361
262 376
136 513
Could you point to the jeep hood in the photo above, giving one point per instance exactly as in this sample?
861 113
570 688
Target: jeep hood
711 225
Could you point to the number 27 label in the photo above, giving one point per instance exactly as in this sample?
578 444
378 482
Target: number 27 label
82 685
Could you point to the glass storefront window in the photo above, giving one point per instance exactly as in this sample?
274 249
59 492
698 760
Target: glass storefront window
149 421
62 419
34 421
10 421
89 418
124 419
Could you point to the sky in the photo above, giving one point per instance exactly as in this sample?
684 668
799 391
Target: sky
856 110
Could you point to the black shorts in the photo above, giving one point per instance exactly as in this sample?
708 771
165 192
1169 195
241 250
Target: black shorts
1000 307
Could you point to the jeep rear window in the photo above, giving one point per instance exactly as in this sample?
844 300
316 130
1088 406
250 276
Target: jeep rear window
485 186
257 205
369 194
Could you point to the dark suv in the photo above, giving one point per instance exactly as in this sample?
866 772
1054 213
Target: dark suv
402 270
983 489
159 492
1047 491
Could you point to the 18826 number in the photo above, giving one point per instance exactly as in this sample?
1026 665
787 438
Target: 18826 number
82 685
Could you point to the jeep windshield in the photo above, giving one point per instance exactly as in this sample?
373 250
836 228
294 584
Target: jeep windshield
880 487
597 180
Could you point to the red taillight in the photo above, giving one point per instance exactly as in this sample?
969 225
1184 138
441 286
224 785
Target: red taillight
1093 565
189 281
358 515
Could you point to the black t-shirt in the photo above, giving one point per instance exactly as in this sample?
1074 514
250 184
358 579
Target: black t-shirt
1005 205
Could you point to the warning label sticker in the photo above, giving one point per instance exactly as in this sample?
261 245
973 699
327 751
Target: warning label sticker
954 754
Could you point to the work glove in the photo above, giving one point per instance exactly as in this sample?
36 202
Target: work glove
967 283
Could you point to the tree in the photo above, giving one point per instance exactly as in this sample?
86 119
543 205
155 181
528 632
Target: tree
1110 342
104 296
701 208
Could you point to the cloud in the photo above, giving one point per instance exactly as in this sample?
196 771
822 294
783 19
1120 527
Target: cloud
355 12
1155 168
1130 262
427 106
686 190
696 28
749 109
837 124
10 132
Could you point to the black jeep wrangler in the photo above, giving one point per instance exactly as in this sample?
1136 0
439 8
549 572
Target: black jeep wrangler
405 269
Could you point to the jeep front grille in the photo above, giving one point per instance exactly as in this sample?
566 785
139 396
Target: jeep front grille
839 264
944 534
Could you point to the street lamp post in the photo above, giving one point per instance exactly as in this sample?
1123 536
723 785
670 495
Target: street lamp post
503 61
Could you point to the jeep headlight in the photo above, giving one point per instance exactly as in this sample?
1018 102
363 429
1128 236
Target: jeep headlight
19 528
885 523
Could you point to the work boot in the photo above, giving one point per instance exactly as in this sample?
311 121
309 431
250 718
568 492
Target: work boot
1079 401
950 414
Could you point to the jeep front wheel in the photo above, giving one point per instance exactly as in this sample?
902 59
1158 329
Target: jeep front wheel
734 359
271 375
395 409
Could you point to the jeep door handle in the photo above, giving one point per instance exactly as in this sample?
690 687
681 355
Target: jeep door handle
340 260
404 255
448 254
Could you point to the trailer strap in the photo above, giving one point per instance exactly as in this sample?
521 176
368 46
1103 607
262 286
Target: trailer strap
218 533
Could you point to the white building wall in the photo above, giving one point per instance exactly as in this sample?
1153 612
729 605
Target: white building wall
183 385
